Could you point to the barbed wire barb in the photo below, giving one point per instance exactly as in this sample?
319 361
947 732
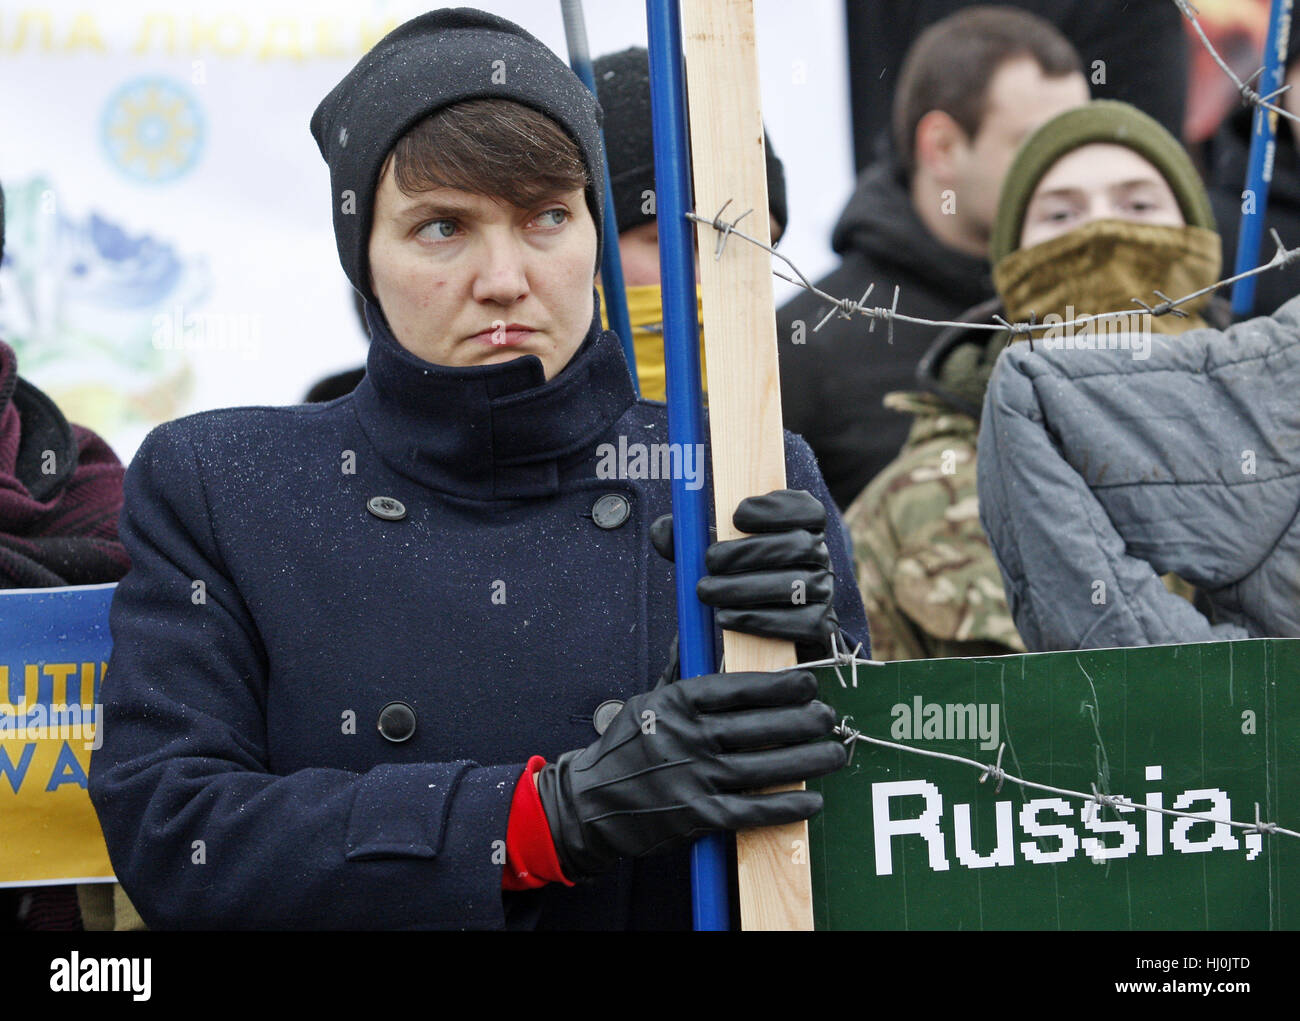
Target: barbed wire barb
1263 827
724 228
841 656
995 770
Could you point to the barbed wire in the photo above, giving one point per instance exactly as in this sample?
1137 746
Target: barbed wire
846 308
841 656
850 736
1248 95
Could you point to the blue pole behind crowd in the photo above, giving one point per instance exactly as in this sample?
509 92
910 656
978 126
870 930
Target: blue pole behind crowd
1259 171
611 264
685 397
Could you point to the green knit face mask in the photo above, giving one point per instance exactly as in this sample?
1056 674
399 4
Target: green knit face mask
1103 265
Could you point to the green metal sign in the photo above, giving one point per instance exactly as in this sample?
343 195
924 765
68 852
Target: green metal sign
908 841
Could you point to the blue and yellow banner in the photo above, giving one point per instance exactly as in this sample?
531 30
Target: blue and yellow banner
54 647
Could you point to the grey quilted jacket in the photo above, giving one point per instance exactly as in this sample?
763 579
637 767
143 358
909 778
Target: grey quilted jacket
1099 472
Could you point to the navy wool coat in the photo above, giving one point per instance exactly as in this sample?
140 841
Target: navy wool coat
270 616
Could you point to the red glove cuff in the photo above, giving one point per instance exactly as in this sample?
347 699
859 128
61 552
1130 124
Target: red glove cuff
531 861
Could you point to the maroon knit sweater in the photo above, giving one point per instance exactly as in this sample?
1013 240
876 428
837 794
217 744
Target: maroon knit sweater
60 496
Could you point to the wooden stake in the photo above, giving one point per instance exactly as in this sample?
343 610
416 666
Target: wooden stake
744 384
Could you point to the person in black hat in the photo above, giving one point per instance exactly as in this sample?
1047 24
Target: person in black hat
391 662
623 86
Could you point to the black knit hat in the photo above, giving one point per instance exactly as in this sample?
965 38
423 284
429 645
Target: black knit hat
435 60
623 85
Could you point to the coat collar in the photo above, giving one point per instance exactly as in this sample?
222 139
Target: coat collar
492 431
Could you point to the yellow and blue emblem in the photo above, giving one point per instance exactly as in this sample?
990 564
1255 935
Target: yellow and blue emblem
153 130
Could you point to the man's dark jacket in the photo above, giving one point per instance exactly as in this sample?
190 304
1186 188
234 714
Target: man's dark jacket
269 617
1227 156
832 384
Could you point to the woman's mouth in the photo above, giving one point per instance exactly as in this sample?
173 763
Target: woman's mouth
504 335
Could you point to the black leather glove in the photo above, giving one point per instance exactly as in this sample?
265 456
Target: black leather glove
778 581
677 761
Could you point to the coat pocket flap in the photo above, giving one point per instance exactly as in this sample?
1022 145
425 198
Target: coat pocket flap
400 810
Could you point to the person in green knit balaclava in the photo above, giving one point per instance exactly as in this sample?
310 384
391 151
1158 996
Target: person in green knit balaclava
1101 205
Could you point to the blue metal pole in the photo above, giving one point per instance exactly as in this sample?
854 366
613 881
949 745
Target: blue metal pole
685 397
1259 172
611 263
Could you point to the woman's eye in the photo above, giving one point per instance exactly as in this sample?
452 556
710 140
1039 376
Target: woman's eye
553 217
439 229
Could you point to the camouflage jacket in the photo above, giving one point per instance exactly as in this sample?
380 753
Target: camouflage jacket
927 573
928 578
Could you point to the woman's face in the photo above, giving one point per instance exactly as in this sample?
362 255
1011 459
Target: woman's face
465 280
1100 181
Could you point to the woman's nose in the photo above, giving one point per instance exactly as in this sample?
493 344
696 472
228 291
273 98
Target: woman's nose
502 275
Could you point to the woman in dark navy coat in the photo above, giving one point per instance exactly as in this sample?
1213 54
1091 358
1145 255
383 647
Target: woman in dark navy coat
369 659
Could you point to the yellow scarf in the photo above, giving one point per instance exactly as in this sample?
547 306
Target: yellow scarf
1103 265
645 309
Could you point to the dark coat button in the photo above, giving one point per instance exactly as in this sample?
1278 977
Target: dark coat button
605 713
387 508
611 510
397 722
